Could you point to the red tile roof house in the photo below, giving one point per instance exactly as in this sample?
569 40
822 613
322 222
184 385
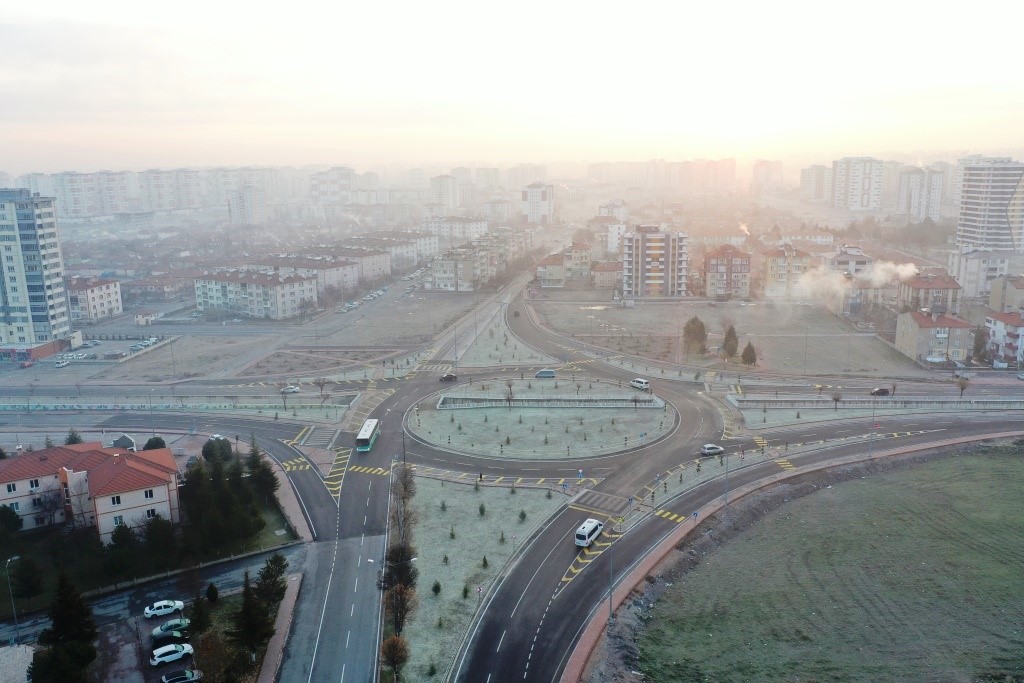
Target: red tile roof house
89 485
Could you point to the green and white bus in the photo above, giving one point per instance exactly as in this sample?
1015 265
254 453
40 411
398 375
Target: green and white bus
367 435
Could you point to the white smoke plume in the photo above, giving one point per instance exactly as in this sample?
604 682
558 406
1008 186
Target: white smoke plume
744 229
818 282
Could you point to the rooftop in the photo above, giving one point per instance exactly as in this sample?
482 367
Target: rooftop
925 320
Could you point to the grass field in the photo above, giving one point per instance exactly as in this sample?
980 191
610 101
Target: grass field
915 575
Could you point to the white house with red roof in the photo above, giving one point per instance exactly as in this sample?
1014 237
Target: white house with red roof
1004 330
89 485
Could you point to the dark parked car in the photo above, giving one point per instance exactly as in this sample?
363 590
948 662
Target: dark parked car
448 377
879 391
170 638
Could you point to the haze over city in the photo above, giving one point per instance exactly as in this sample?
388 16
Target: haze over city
123 85
511 343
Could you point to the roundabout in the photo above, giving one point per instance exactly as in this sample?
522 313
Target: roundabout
540 419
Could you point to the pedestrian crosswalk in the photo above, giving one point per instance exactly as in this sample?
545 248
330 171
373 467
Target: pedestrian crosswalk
365 408
369 470
760 441
319 437
437 367
670 516
300 437
785 464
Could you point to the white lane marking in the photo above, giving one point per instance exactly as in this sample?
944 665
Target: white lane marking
541 565
352 612
356 588
323 614
347 636
501 640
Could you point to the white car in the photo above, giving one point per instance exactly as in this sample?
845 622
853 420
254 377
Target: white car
711 449
290 389
163 608
169 653
62 363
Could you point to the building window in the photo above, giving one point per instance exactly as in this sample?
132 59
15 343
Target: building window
33 484
15 506
11 488
37 502
40 520
149 493
150 513
118 520
115 500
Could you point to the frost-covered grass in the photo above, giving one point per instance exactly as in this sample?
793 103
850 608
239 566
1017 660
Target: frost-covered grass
476 536
496 345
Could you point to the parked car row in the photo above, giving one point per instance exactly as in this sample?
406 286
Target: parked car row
170 641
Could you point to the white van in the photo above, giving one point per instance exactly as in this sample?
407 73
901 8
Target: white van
641 384
546 373
587 532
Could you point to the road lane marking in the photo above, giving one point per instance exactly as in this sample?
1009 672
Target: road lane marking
501 640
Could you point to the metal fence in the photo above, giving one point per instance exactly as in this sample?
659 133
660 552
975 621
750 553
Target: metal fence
879 404
449 402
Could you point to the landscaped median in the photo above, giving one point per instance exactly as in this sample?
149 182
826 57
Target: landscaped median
464 537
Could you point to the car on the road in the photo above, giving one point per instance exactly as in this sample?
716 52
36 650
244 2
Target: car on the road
879 391
368 297
162 608
171 625
170 638
182 676
170 653
214 437
1020 375
448 377
62 363
711 449
27 363
290 389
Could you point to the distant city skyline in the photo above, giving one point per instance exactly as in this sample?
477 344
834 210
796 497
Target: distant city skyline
123 86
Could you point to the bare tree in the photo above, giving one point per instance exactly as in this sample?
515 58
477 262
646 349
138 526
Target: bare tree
51 501
893 392
394 652
509 394
321 382
400 601
79 495
837 396
402 514
962 383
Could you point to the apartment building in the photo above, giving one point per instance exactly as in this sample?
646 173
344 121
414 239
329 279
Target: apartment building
1007 294
248 206
766 175
89 485
33 298
444 190
816 184
255 294
374 264
857 184
727 272
453 230
933 289
654 262
1004 330
849 259
932 337
93 299
784 267
991 205
538 204
920 194
340 275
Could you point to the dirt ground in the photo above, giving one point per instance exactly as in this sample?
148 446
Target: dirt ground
788 337
617 656
187 357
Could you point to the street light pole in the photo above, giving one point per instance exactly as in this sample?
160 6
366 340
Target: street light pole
152 422
871 441
14 610
611 583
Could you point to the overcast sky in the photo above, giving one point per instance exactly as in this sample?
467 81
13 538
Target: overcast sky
136 85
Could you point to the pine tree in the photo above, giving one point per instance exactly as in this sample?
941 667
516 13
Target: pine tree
154 442
731 344
70 617
252 625
749 356
200 621
26 579
73 437
270 583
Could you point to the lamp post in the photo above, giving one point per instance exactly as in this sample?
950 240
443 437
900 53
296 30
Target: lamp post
152 424
14 610
871 441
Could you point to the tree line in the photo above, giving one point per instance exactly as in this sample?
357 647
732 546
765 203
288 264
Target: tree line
399 574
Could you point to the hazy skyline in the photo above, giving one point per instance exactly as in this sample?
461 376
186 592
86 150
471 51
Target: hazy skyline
121 85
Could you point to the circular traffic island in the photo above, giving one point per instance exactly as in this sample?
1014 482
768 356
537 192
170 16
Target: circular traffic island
543 419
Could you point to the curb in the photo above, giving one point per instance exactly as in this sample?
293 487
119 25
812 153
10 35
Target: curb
274 656
595 628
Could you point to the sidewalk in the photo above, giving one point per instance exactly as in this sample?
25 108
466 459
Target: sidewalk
282 628
594 630
290 505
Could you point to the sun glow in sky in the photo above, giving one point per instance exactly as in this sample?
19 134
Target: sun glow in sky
137 85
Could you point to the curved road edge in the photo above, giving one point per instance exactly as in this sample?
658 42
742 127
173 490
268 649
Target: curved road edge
593 631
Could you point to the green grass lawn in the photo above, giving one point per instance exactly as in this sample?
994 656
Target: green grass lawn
86 566
915 575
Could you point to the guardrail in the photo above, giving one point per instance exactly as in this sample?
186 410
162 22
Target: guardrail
879 404
449 402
